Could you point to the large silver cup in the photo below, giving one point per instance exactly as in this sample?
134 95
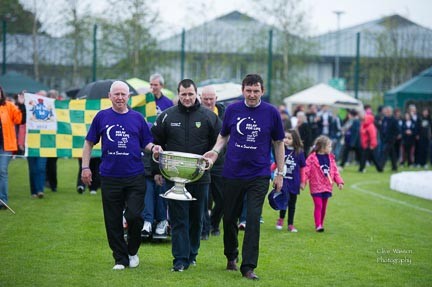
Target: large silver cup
181 168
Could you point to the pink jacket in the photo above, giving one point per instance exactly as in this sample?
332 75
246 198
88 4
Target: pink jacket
317 181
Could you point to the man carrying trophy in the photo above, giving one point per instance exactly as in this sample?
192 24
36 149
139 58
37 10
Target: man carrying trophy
187 128
249 129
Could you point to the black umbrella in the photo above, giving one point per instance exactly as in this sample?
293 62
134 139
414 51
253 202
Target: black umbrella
99 89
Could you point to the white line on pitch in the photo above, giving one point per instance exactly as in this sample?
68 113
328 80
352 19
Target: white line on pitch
358 188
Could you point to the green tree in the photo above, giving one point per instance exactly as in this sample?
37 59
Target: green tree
20 20
127 39
291 49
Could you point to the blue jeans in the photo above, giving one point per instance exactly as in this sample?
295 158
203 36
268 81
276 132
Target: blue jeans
155 206
37 173
186 223
5 157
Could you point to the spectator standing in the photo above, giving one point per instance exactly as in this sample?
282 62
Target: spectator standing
155 207
51 163
425 134
389 133
304 131
351 131
11 115
212 221
368 142
409 136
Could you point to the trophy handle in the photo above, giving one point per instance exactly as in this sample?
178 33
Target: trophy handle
209 163
155 160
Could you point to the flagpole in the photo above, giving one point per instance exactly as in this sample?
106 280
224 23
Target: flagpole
11 210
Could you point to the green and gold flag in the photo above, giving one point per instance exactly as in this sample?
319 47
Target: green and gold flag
57 128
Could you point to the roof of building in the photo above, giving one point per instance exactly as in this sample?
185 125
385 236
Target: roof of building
51 51
235 33
411 38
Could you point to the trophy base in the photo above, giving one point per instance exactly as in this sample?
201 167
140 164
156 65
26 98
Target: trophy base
178 192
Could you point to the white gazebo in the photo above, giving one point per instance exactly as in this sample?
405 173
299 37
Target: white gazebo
323 94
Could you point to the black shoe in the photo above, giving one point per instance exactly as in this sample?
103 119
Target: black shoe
215 232
204 237
250 275
80 189
232 265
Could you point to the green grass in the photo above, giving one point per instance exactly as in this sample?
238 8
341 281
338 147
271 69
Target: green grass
60 241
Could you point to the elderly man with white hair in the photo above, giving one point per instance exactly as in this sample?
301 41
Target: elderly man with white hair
124 134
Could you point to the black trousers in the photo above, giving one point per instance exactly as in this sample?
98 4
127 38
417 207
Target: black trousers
94 167
51 172
119 194
345 152
389 151
233 192
369 154
291 208
216 187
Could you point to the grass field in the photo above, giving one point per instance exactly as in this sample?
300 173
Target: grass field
374 237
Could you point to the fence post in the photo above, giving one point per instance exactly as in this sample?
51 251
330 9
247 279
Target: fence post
94 53
4 46
270 64
357 67
182 54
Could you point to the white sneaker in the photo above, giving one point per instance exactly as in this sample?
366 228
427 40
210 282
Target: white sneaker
93 192
161 227
147 229
133 261
118 267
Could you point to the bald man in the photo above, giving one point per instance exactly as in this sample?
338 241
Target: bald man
123 133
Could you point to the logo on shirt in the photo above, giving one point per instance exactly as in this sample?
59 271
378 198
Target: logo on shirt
248 127
198 124
117 134
176 124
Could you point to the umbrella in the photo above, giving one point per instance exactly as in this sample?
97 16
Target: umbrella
143 87
225 91
99 89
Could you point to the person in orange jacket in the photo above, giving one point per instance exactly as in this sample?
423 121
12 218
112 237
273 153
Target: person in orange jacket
10 115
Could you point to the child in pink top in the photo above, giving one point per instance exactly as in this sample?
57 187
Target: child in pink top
321 171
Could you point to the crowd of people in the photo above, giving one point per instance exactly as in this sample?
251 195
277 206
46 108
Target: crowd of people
249 142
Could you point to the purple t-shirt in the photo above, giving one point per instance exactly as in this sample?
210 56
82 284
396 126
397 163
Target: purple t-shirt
293 163
123 138
250 131
162 104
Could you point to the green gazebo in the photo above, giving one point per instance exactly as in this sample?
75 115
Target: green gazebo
416 91
13 83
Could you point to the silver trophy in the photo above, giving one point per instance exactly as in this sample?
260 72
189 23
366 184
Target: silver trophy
181 168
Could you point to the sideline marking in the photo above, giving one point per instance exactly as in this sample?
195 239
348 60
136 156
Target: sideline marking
357 187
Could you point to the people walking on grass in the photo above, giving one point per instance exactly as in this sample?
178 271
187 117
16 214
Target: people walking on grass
191 128
249 129
123 133
321 172
293 169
